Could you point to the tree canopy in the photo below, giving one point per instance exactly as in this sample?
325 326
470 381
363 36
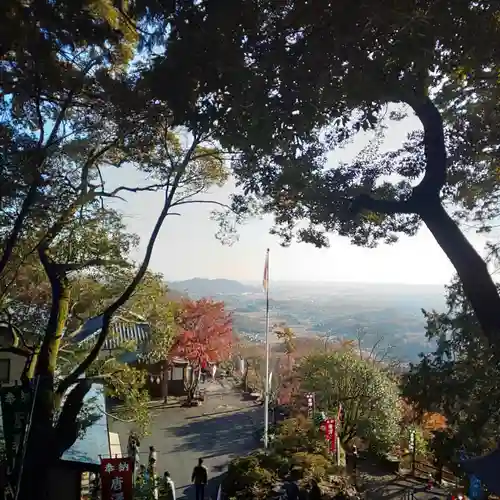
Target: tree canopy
457 379
74 108
368 395
286 83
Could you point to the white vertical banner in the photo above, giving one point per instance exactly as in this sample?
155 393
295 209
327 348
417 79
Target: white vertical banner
270 379
242 366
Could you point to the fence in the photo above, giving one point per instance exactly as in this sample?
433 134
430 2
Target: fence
423 468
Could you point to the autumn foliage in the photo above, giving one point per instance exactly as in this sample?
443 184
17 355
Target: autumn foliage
205 332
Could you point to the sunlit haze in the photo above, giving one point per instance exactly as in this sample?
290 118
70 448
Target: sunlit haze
187 246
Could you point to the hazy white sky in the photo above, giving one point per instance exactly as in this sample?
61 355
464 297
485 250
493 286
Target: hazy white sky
187 247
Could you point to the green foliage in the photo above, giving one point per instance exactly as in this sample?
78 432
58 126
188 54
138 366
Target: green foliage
299 434
299 451
276 94
368 394
458 379
247 479
310 466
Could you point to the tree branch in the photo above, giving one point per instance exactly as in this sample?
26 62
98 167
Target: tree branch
16 350
389 207
114 193
41 155
113 308
434 145
212 202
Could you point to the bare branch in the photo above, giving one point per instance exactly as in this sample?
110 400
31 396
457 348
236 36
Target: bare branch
114 193
210 202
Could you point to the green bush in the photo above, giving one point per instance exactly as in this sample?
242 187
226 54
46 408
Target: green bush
299 434
310 466
247 479
276 463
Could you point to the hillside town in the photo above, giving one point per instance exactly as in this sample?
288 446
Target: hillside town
349 148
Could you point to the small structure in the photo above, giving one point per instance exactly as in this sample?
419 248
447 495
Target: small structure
167 378
164 377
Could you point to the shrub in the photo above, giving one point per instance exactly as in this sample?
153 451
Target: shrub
299 434
247 479
310 466
276 463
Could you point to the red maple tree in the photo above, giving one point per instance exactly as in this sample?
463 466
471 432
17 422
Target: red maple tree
205 336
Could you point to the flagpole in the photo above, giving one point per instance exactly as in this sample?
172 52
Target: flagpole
266 389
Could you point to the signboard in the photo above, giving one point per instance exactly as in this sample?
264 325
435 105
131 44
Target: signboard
475 489
330 433
116 479
16 406
412 440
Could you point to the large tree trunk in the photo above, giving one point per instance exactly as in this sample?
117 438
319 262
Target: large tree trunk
41 452
471 268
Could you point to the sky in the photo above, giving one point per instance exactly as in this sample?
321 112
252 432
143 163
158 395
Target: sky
187 246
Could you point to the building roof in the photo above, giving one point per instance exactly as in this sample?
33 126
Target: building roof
127 332
120 333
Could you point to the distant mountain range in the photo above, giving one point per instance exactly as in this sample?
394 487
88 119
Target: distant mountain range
391 312
201 287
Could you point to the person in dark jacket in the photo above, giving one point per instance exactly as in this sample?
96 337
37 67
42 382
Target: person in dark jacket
200 478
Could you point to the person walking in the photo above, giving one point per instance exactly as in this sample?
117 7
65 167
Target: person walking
167 487
200 478
152 460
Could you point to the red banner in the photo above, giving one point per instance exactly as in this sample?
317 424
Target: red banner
330 433
116 478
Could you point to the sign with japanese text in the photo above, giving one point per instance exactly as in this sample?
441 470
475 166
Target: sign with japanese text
116 478
330 434
16 406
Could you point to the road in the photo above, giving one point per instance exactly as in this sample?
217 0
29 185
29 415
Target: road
217 431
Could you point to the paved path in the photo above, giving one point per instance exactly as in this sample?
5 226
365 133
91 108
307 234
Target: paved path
396 486
217 431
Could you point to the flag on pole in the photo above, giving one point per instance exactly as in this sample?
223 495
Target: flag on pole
265 281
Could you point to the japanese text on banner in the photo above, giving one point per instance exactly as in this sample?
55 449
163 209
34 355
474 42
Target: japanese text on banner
116 478
16 405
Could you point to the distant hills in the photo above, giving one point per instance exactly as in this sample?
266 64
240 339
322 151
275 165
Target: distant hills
201 287
391 312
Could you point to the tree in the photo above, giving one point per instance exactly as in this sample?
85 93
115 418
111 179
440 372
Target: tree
66 118
124 384
287 336
285 83
205 337
368 395
253 356
457 380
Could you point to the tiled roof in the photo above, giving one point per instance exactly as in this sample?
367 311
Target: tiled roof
120 332
127 332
